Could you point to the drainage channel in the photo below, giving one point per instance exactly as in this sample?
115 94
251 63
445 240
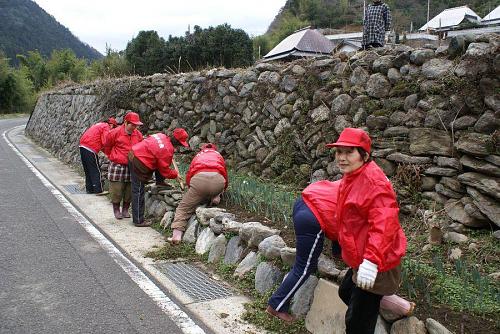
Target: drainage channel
74 189
193 282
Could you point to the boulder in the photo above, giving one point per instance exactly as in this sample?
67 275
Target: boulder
378 86
419 57
233 251
271 247
475 144
408 325
485 184
488 206
246 265
424 141
303 298
204 241
217 249
267 276
254 232
436 68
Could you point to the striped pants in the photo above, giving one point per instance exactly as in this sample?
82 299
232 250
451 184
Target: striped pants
309 244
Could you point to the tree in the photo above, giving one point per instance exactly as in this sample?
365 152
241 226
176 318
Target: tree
288 26
34 65
113 64
64 65
16 91
146 53
261 46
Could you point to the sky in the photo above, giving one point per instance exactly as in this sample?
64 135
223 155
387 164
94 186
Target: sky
115 22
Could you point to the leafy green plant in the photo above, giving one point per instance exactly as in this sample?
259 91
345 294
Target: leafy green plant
273 201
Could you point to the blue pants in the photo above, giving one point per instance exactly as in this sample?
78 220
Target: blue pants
309 244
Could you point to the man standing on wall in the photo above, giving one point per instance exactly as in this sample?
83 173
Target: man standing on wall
377 20
91 143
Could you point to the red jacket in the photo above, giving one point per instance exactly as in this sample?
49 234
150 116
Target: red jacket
94 137
207 160
156 153
118 143
367 212
321 198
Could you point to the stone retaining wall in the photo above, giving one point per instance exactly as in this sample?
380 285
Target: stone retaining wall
431 112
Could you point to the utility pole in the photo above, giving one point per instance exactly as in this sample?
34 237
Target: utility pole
428 12
428 9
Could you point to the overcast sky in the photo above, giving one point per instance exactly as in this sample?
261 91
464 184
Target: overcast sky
97 22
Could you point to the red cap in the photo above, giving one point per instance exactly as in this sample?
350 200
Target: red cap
133 118
209 145
182 136
113 121
353 138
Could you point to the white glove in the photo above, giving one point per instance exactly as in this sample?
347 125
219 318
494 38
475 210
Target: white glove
367 273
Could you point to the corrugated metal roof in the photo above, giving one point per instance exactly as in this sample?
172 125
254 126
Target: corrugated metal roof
451 17
309 41
493 16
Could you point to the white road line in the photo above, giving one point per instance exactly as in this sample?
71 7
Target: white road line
179 317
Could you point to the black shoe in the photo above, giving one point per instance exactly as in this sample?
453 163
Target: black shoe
144 224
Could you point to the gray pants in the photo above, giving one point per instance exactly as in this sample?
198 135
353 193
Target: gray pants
137 197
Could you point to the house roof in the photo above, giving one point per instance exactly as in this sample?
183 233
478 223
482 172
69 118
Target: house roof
307 42
493 16
451 17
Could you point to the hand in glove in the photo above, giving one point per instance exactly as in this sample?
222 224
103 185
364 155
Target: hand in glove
367 273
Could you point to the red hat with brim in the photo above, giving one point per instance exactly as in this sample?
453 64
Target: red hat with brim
182 136
133 118
352 137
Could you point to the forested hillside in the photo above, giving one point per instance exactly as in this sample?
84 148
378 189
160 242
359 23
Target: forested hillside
24 26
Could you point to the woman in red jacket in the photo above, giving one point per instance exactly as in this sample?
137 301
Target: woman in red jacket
206 179
118 143
313 219
91 143
369 232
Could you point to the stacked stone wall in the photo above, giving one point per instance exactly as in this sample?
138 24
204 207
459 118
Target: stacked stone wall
433 114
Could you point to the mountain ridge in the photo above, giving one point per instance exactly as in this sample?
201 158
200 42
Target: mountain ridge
25 26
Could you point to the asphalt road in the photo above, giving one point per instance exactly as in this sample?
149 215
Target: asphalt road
54 277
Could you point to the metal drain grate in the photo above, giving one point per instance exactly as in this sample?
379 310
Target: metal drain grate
193 282
74 189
